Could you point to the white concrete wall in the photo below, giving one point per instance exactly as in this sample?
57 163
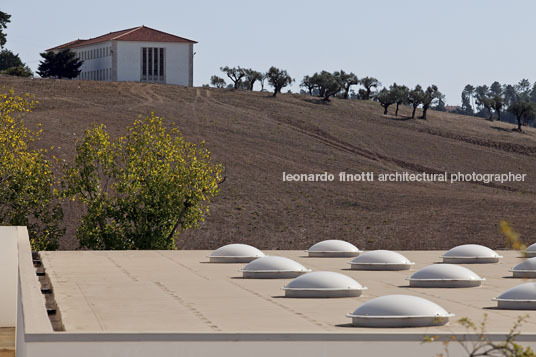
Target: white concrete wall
110 348
177 61
97 61
8 276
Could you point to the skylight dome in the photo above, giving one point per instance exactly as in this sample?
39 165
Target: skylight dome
380 260
399 311
272 267
531 251
333 248
235 253
525 269
470 254
445 276
521 297
323 284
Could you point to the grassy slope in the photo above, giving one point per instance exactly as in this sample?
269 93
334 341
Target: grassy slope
258 137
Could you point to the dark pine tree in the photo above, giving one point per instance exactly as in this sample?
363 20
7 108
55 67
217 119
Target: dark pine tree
62 64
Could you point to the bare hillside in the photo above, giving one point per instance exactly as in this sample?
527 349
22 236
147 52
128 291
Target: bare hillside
258 137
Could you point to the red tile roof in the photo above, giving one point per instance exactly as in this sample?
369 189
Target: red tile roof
141 33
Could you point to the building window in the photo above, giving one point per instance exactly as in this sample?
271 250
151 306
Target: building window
161 72
144 63
152 64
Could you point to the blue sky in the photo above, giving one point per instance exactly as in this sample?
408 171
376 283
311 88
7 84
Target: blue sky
450 44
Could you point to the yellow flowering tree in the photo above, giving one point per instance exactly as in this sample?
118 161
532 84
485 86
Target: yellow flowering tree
139 190
27 193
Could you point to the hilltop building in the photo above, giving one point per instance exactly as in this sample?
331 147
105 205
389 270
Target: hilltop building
139 54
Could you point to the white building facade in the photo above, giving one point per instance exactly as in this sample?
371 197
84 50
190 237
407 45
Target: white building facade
140 54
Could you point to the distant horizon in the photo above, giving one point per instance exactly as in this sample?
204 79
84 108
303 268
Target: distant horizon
419 43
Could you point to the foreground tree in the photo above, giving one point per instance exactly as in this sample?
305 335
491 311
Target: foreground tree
368 83
415 98
235 74
484 345
251 76
4 20
63 64
27 186
386 99
278 78
139 189
217 82
432 93
522 111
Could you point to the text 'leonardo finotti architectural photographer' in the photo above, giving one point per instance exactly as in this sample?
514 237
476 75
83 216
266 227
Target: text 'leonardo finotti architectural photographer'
405 177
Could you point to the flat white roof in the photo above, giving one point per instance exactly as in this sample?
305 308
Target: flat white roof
180 292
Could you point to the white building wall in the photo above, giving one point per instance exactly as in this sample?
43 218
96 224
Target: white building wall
178 57
8 276
97 61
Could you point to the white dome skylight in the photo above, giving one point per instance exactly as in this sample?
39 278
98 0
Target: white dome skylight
272 267
235 253
445 276
323 284
521 297
399 311
531 251
470 254
525 269
333 248
380 260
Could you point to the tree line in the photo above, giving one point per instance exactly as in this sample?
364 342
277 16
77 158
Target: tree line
245 78
499 100
326 85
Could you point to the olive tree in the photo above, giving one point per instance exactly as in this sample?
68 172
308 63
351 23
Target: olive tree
368 83
278 78
217 82
310 83
415 98
522 110
251 76
400 94
346 80
386 99
235 74
430 94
